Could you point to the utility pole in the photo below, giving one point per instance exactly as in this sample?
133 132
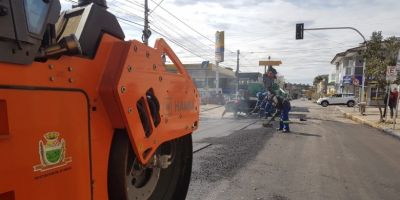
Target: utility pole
216 76
146 30
237 72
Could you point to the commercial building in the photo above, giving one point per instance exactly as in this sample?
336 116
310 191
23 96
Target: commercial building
204 76
348 71
249 77
331 86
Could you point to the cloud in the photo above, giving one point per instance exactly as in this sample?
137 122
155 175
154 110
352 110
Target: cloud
232 4
268 26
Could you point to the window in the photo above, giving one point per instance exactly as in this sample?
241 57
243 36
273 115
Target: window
345 62
351 63
358 71
359 62
348 70
36 12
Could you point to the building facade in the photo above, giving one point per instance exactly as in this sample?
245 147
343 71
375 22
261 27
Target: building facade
205 78
348 71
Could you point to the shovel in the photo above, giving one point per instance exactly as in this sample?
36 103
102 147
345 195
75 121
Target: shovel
268 123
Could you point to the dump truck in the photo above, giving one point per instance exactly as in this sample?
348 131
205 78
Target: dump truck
85 114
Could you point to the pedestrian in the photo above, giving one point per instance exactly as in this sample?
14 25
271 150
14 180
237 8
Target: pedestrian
393 101
269 105
385 102
284 118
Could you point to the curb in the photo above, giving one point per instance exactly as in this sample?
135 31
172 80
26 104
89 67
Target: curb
368 123
215 107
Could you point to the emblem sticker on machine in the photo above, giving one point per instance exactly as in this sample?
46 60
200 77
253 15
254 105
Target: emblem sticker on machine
52 152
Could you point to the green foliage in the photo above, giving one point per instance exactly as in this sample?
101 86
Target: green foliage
379 54
318 79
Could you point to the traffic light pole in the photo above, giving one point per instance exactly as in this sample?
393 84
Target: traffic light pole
299 35
335 28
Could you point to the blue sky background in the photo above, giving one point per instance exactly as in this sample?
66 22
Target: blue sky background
262 28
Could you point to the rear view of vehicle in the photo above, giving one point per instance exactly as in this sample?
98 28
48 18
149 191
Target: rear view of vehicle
85 114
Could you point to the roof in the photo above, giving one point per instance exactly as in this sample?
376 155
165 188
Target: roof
211 67
346 53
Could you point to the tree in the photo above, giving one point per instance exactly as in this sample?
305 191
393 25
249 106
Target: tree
317 79
379 54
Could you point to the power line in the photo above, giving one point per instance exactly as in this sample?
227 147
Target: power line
187 25
127 21
176 43
190 27
156 7
183 22
127 12
135 3
178 32
130 21
294 50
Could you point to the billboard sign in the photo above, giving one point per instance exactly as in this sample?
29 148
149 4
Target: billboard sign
269 62
219 46
348 79
391 73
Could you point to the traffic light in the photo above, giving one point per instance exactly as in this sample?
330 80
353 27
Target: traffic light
299 31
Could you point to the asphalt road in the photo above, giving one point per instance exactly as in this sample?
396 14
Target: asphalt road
325 157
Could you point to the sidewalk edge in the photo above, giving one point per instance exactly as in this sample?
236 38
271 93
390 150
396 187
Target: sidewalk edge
368 123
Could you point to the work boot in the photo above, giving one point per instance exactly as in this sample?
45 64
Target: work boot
286 131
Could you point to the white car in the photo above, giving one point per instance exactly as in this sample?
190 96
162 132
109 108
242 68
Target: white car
337 99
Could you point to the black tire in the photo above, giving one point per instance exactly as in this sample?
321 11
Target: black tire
324 104
172 182
350 104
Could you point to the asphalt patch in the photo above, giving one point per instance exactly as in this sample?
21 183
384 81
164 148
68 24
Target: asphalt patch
299 109
230 153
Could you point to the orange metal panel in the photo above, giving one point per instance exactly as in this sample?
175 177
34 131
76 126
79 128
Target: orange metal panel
47 153
144 70
4 132
32 114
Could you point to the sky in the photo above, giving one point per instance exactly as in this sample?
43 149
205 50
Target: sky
260 28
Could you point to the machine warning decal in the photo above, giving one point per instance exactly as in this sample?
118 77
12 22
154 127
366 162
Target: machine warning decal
184 106
52 152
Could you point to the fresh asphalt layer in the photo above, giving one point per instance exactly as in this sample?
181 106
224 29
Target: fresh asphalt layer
325 157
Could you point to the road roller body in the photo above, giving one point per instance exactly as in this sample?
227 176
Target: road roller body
85 114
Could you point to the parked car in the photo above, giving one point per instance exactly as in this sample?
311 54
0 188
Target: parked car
338 99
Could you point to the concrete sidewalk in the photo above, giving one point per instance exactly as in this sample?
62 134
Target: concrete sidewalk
371 118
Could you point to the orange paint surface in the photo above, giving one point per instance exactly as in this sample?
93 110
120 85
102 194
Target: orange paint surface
61 116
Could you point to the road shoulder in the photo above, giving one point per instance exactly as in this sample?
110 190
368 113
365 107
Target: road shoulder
373 122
